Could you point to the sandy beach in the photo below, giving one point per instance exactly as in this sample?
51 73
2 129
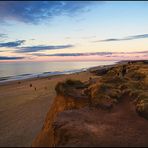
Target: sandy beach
23 107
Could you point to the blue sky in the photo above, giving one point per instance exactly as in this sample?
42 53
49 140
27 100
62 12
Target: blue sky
62 30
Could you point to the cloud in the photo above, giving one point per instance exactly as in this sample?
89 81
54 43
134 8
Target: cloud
89 37
35 11
143 52
10 58
104 54
3 35
40 48
142 36
12 44
135 52
108 40
74 54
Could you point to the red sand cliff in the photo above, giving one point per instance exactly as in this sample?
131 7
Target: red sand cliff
111 110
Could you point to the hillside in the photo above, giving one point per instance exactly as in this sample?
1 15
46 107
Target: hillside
111 109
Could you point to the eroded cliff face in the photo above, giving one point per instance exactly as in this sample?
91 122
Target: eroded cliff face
68 97
105 111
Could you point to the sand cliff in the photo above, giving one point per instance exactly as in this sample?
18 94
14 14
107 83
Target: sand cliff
108 110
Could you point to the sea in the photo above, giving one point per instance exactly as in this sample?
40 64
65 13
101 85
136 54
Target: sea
10 71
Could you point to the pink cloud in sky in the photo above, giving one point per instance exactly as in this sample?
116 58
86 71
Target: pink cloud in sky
116 56
113 57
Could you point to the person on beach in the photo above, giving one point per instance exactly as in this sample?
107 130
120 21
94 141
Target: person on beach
124 70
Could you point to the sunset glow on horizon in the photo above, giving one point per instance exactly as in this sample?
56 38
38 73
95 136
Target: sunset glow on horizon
73 31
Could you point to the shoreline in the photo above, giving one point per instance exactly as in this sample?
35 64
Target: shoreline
36 77
27 77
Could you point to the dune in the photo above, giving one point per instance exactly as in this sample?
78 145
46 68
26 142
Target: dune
108 109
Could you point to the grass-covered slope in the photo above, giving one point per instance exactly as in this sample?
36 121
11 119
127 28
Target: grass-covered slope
115 97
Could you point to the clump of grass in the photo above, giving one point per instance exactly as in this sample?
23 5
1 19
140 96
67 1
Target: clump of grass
68 86
105 87
141 85
115 94
101 72
142 107
114 80
60 88
137 76
101 93
74 83
132 94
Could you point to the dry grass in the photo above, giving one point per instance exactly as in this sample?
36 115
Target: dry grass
68 86
137 76
113 86
142 107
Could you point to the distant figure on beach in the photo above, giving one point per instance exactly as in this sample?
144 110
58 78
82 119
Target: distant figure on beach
124 70
130 62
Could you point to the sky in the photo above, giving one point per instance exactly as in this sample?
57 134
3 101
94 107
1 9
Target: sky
73 30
